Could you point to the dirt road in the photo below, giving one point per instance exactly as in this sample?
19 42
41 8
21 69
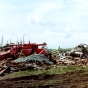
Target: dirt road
78 79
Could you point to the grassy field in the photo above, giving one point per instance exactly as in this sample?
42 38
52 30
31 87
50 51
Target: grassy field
52 70
70 76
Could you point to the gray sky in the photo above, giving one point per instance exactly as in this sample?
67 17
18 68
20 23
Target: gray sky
61 23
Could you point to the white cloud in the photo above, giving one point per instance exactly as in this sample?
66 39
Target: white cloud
58 23
40 11
68 28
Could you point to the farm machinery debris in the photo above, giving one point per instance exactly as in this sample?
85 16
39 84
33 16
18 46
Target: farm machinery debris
17 57
15 51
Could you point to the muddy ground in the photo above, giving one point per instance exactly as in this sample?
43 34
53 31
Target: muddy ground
78 79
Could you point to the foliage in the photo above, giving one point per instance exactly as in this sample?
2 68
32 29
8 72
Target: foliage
61 50
65 50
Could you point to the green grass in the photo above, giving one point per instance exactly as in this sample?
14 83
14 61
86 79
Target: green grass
25 73
65 69
50 82
58 70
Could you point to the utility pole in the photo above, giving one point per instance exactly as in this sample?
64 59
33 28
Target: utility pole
20 41
10 41
1 43
23 39
59 49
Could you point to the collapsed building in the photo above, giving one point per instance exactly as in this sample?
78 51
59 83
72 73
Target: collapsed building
79 51
17 57
29 56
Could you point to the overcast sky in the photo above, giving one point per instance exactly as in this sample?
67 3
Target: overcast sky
61 23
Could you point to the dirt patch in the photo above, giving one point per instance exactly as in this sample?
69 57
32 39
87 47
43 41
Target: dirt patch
69 80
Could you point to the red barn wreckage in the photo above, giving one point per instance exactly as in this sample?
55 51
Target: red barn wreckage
15 57
15 51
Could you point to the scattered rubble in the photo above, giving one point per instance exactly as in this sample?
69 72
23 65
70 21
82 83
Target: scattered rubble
77 56
81 51
37 62
34 58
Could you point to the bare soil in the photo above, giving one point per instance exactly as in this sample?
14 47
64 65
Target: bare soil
78 79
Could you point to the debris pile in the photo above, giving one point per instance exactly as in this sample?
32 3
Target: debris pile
37 62
77 56
81 51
